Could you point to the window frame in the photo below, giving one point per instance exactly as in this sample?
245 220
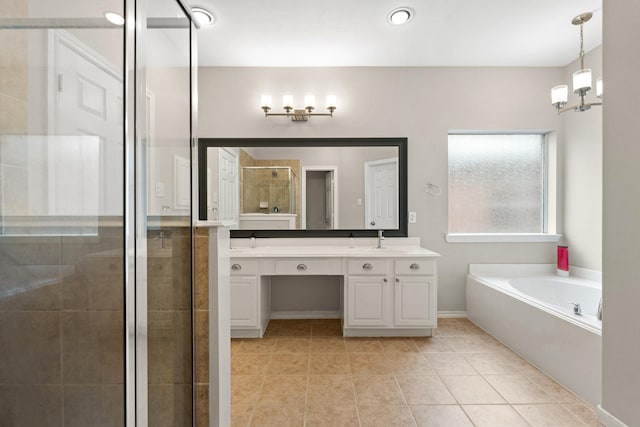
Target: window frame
546 235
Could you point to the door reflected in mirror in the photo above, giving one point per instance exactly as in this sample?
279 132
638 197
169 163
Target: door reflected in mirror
322 186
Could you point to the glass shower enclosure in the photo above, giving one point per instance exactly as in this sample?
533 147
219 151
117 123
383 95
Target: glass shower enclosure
96 135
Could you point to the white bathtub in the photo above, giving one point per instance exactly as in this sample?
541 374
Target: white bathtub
527 307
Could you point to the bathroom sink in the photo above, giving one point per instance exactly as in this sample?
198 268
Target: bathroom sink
384 250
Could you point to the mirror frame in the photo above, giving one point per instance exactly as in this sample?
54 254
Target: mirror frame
400 143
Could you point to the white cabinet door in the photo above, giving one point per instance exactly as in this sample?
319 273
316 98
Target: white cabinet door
367 301
244 301
414 303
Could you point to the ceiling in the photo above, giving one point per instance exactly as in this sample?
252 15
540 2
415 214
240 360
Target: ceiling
257 33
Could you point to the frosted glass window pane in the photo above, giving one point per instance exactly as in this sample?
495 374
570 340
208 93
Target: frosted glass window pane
496 183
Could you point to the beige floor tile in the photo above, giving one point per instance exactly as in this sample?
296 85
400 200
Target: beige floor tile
235 345
295 328
370 364
386 416
250 364
446 329
432 344
424 390
555 390
257 345
363 345
494 416
329 364
289 364
466 344
548 416
585 413
450 364
519 363
241 415
278 416
283 390
377 390
490 363
327 390
473 328
440 416
518 389
326 328
472 389
409 363
327 345
393 345
245 389
293 345
273 328
335 416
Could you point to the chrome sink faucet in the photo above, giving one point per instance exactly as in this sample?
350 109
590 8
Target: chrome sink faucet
380 239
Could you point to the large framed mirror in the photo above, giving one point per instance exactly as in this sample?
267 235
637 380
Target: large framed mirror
304 187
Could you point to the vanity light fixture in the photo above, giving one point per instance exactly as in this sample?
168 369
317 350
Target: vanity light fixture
400 15
298 114
203 16
114 18
581 79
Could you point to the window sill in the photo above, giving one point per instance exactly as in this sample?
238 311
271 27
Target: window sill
501 238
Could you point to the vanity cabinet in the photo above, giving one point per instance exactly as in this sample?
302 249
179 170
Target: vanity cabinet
393 294
250 300
389 293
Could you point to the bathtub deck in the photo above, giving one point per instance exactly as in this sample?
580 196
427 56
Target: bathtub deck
304 371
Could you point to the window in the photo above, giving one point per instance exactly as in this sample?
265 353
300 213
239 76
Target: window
497 183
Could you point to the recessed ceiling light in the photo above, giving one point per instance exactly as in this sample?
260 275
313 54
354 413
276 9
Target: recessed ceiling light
203 16
114 18
400 15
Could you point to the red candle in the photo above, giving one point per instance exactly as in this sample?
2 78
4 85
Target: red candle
563 258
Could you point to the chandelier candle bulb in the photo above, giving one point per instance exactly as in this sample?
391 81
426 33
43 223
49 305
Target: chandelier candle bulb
582 81
599 87
559 95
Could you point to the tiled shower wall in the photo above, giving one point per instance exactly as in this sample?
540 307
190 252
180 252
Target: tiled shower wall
62 342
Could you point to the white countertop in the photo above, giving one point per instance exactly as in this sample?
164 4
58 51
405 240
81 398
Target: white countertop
322 251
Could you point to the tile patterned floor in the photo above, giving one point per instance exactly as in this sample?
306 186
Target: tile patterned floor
304 374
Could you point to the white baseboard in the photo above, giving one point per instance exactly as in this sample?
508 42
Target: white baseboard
445 314
609 420
318 314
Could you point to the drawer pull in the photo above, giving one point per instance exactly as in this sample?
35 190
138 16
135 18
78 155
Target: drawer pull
367 267
414 266
397 280
301 267
236 267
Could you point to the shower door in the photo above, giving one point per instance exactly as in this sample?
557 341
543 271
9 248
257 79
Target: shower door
95 273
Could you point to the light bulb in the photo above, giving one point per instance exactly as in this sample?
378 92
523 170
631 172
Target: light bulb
114 18
582 81
287 101
309 101
331 101
559 95
266 100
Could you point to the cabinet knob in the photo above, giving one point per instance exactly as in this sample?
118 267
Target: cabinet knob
367 266
236 267
397 280
385 280
414 266
301 267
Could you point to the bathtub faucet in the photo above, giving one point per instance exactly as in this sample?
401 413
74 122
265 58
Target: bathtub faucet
576 308
600 309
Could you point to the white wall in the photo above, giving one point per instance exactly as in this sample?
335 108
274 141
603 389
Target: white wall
422 104
583 174
621 216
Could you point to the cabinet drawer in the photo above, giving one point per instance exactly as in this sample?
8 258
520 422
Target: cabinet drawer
243 267
302 266
364 266
415 266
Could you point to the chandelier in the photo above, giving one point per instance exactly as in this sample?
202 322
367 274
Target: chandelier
581 79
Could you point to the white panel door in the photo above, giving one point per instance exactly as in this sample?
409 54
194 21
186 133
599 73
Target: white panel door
367 301
382 194
244 301
228 186
412 298
88 101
